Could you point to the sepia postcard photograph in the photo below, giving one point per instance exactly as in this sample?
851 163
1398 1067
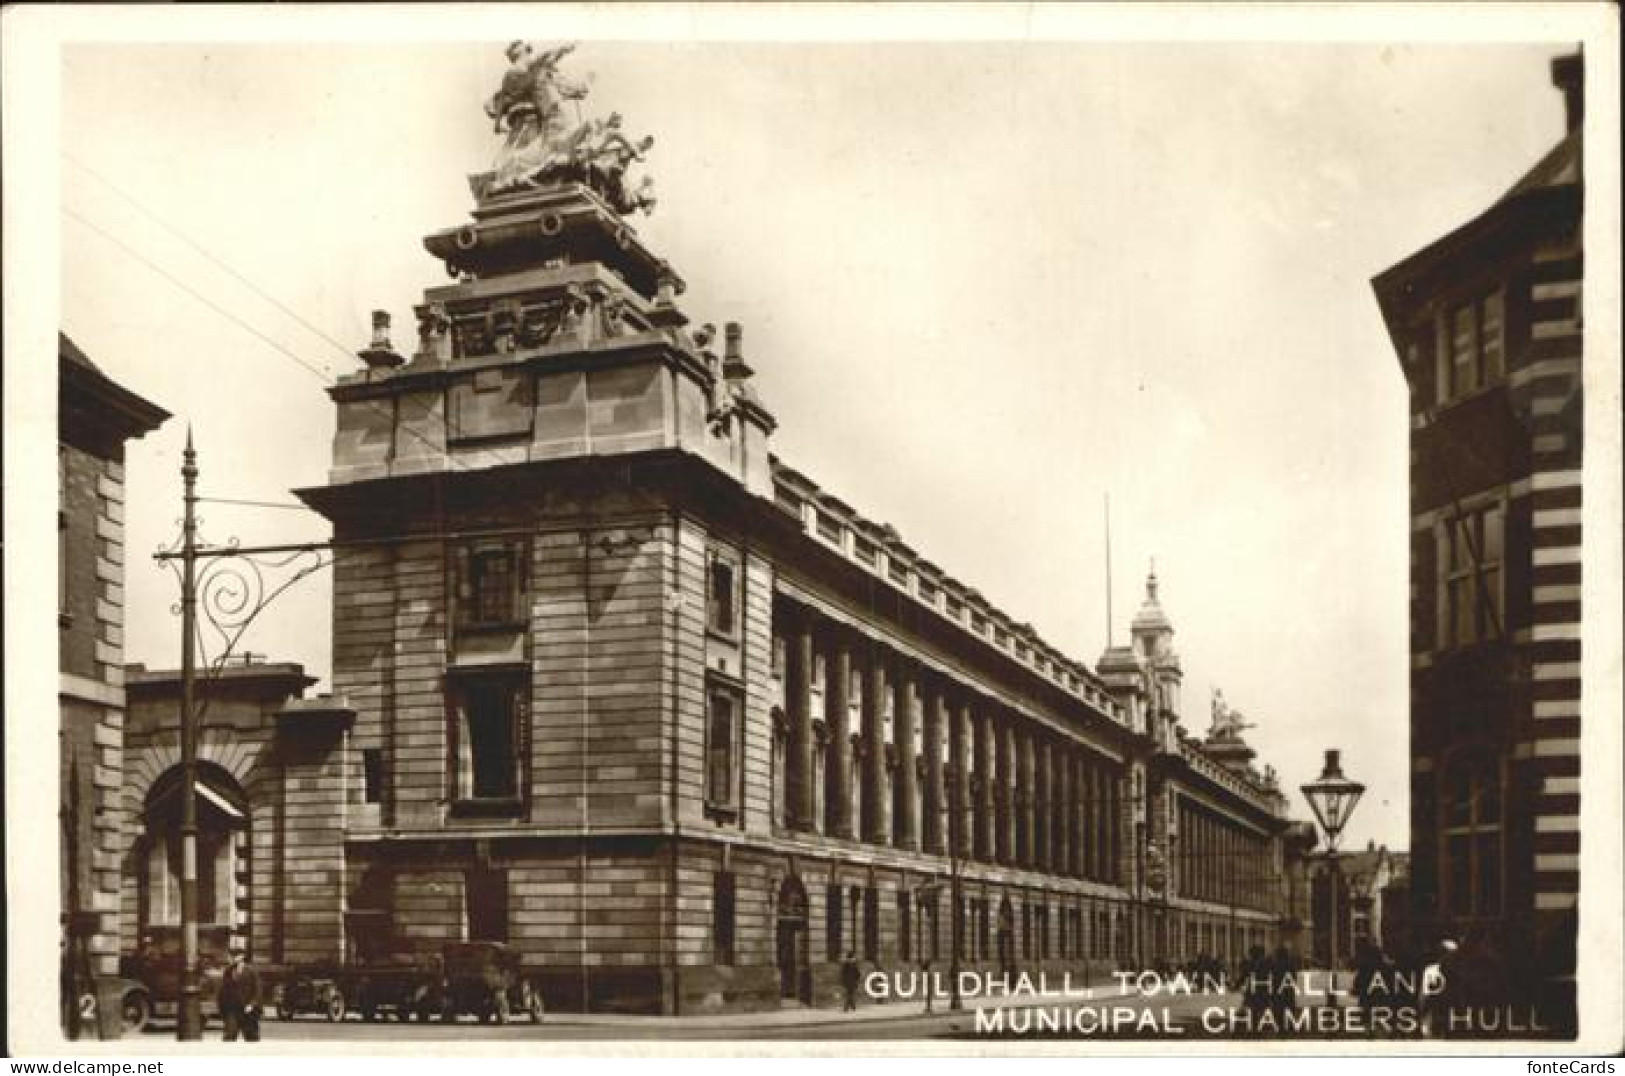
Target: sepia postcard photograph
850 529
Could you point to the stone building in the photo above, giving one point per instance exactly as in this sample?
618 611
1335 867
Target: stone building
95 417
270 857
644 701
1487 325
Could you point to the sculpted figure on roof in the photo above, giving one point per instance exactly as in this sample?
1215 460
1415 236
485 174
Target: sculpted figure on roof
544 145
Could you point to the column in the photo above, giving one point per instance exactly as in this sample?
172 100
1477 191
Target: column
907 793
1028 798
838 717
875 828
1004 830
1097 832
1067 813
1043 813
798 699
935 805
987 811
961 824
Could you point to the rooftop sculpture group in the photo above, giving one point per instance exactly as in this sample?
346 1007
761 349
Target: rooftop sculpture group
541 146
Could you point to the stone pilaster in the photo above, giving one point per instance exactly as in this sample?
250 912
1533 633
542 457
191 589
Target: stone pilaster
838 716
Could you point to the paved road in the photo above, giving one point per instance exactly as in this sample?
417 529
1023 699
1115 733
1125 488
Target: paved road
909 1022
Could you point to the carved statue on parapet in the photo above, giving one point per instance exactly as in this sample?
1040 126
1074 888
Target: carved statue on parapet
541 145
1226 724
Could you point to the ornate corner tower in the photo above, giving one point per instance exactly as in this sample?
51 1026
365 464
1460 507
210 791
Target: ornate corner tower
514 497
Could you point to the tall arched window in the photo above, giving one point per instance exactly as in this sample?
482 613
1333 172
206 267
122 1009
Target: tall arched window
1471 850
222 848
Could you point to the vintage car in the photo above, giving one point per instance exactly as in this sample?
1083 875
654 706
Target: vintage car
401 985
153 974
486 980
313 988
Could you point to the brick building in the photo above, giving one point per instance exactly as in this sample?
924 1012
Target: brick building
1487 325
642 700
95 417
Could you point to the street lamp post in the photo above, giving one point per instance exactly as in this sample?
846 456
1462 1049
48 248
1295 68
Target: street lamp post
189 1020
1332 797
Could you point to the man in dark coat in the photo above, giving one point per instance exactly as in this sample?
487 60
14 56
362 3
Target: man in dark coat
850 973
240 999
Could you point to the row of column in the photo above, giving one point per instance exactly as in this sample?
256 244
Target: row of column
1220 863
1009 791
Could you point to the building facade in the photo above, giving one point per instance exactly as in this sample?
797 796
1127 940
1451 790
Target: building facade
638 698
1487 325
95 417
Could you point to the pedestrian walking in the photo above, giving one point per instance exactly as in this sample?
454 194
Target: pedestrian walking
240 998
1437 991
849 981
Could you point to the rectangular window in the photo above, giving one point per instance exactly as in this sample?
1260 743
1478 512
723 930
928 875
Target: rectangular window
1470 605
927 592
372 775
954 607
978 623
721 595
897 571
905 926
487 904
834 922
723 885
490 584
487 737
871 925
829 528
865 551
722 747
1471 345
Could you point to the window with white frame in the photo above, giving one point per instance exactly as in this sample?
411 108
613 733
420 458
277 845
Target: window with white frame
1470 346
1470 571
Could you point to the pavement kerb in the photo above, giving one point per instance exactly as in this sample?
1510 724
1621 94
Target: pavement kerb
828 1017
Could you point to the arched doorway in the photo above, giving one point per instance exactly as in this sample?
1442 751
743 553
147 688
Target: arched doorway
222 855
795 971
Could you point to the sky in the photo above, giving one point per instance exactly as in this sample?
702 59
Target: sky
985 285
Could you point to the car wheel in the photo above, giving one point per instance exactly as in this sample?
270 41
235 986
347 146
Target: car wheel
335 1006
135 1012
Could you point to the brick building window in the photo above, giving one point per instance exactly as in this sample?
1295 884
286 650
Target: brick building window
487 737
721 594
1470 837
490 582
372 775
723 888
1470 555
1471 347
722 732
